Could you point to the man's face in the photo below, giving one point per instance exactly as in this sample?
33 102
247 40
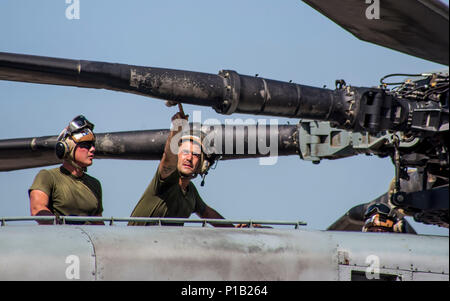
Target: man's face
84 153
189 155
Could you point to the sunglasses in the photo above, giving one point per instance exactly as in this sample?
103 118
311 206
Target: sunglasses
86 144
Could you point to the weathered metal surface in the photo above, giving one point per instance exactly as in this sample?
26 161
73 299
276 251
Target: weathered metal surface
396 252
236 141
45 253
256 95
197 253
210 254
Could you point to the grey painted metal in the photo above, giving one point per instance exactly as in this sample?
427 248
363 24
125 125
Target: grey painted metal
417 276
41 253
204 253
209 254
397 253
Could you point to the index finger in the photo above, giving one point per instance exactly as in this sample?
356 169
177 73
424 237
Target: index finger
180 108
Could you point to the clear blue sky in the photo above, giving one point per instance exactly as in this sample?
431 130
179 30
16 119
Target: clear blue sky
283 40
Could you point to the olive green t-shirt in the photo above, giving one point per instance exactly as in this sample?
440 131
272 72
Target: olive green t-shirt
69 195
165 198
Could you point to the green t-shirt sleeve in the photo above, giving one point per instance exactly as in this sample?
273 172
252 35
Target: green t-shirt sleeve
150 204
43 182
200 205
99 197
159 186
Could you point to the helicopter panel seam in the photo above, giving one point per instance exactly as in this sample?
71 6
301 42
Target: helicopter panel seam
93 249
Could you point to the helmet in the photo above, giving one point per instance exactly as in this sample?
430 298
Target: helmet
379 218
78 130
379 208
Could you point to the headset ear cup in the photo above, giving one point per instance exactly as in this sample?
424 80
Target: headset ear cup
61 149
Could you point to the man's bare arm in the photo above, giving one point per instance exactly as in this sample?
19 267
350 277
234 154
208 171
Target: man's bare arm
39 205
169 160
38 201
213 214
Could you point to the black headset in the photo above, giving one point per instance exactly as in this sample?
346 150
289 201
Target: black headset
61 149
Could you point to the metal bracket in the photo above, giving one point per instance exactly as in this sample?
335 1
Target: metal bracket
319 140
232 84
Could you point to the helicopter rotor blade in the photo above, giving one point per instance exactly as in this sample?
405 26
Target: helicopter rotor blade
418 28
147 81
228 92
24 153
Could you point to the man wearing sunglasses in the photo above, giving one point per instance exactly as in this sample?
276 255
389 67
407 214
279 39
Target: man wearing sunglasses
380 217
171 192
68 190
